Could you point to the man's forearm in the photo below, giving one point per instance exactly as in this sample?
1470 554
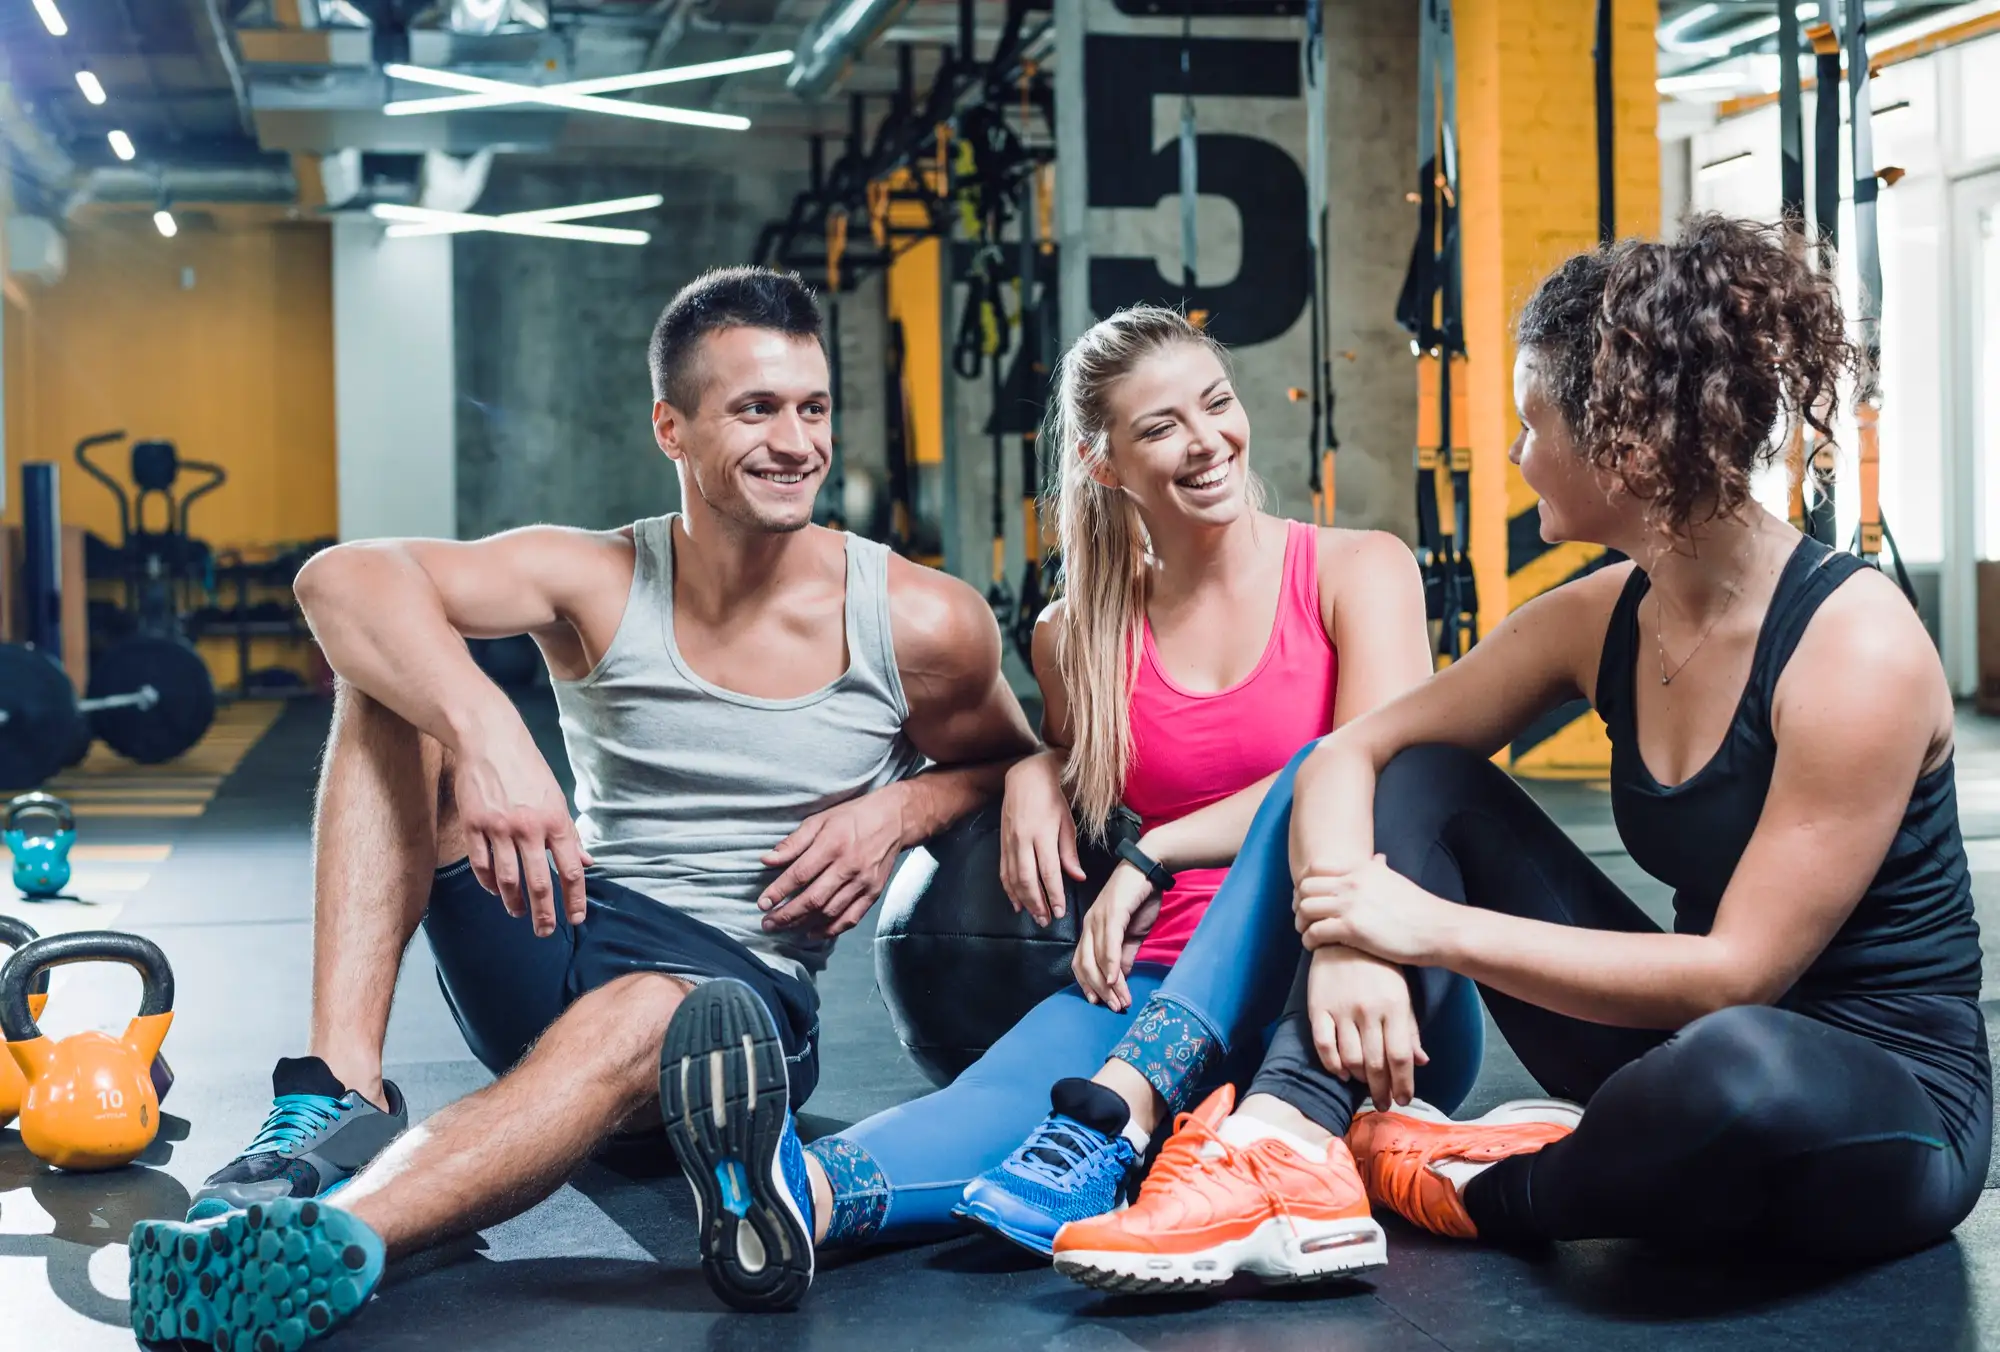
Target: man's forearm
942 795
379 621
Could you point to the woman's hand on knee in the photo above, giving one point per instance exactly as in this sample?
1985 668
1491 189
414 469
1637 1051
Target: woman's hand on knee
1037 839
1109 938
1362 1024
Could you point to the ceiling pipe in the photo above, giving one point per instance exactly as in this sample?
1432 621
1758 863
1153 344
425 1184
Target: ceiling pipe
182 185
841 33
225 46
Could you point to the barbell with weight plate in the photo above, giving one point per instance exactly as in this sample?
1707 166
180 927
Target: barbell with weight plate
150 700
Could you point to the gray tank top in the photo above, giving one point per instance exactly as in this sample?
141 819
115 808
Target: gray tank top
682 786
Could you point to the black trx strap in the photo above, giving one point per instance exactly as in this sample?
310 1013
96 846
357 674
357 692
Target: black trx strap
1323 443
1792 206
831 509
1607 125
1825 38
1036 342
1431 308
1871 531
1791 140
1190 239
897 444
997 595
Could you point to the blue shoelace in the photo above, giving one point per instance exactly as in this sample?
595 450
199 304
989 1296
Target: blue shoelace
1061 1148
294 1119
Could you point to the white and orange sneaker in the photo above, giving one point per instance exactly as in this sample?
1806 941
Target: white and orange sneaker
1227 1199
1416 1160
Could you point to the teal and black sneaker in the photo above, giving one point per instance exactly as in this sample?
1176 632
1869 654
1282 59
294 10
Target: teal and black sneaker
269 1279
319 1134
726 1101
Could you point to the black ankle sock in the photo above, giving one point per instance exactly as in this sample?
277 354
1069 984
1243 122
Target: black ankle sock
1089 1103
1092 1104
305 1075
1500 1203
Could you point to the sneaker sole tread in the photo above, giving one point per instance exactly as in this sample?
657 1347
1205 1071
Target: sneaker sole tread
724 1097
1267 1254
270 1279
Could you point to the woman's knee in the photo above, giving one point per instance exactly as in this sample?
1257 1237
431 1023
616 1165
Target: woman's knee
1740 1066
1431 772
1420 791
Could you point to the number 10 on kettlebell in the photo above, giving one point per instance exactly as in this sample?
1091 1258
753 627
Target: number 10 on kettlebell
92 1100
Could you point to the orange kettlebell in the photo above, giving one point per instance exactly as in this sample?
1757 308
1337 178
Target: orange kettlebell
92 1100
13 1087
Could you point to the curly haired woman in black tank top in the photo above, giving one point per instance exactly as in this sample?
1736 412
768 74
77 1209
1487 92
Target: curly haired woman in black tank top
1802 1061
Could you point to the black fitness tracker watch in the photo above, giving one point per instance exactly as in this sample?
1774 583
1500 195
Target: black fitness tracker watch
1152 869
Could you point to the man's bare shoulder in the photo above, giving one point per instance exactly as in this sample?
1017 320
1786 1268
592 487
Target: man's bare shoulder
943 629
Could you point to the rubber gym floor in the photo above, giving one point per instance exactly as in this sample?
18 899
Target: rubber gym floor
210 859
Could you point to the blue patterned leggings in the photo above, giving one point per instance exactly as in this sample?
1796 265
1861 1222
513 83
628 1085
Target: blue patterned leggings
897 1175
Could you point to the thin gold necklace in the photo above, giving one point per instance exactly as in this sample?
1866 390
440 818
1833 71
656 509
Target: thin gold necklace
1660 617
1659 634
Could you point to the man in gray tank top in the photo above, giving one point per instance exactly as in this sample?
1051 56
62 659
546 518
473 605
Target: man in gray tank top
761 715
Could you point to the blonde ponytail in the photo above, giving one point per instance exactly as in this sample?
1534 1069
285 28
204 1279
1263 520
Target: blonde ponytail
1104 555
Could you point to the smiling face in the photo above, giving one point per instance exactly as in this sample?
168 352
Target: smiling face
756 447
1179 439
1578 501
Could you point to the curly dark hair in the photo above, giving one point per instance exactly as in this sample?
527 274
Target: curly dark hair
1681 366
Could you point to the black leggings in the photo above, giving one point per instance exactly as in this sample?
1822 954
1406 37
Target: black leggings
1754 1122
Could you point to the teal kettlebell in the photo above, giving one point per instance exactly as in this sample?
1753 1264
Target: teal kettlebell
38 832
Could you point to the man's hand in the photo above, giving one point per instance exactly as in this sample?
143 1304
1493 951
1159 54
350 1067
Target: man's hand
836 864
514 818
1362 1023
1037 838
1114 926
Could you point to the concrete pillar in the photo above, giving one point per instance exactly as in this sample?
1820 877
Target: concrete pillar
1122 241
1371 59
555 404
394 388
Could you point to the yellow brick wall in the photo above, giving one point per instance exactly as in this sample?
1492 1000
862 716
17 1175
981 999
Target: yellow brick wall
1528 124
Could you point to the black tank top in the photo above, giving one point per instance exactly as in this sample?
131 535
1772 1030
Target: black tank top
1913 931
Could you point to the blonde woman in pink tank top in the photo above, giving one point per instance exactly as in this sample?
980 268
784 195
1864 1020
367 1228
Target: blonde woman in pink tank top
1203 644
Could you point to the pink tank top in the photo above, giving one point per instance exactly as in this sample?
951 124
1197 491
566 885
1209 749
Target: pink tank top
1191 749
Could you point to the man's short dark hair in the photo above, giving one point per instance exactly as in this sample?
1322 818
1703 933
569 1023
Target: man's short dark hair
724 298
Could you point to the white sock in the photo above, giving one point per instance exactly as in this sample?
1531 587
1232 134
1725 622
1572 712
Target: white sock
1458 1173
1139 1137
1240 1130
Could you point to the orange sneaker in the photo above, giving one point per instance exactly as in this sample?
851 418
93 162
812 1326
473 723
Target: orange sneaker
1408 1155
1209 1210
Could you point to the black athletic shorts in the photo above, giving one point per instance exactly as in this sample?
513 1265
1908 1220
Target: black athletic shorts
505 986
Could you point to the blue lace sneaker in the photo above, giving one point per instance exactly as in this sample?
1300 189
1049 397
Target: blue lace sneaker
1075 1165
269 1278
726 1102
318 1135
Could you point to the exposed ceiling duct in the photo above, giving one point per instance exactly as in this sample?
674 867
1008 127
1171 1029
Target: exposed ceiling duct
844 31
319 87
131 183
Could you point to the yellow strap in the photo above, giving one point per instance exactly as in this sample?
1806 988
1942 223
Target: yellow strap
878 211
836 246
1867 426
1045 205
